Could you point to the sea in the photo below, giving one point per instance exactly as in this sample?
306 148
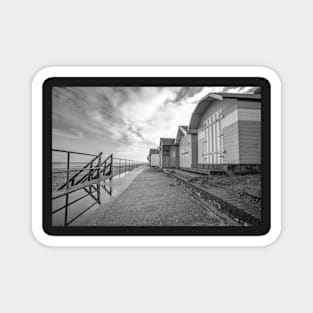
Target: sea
59 179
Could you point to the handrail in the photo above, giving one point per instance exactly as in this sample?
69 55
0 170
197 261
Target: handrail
75 170
97 172
74 152
71 180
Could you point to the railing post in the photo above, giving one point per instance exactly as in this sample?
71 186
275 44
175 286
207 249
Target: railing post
98 175
111 165
99 164
119 168
89 173
98 193
104 167
67 179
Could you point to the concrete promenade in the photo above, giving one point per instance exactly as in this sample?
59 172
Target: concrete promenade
154 199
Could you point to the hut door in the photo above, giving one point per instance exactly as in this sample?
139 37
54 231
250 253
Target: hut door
213 130
219 137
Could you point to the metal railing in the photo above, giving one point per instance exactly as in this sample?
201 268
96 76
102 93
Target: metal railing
121 166
87 178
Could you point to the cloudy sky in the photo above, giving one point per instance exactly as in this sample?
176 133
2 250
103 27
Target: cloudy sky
126 121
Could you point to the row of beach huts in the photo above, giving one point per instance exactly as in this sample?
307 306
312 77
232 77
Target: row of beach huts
224 135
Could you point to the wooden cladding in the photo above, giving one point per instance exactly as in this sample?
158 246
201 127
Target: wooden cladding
230 133
211 139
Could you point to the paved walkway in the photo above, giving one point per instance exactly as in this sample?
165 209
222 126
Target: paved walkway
118 185
154 199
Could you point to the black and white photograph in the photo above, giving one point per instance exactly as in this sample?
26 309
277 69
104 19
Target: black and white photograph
156 156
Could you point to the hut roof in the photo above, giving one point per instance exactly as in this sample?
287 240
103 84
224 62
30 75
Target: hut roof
209 98
153 151
167 141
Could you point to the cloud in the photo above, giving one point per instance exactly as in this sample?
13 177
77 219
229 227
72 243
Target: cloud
72 133
124 120
187 92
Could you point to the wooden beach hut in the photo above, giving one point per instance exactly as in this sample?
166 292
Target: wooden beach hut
187 141
168 151
153 158
229 131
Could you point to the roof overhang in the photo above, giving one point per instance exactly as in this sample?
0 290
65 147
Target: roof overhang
192 131
167 141
201 108
181 131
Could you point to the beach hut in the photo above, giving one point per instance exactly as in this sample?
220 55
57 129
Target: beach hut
153 158
229 130
168 151
187 141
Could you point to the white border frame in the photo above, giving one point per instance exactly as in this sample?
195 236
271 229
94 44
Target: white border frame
156 241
